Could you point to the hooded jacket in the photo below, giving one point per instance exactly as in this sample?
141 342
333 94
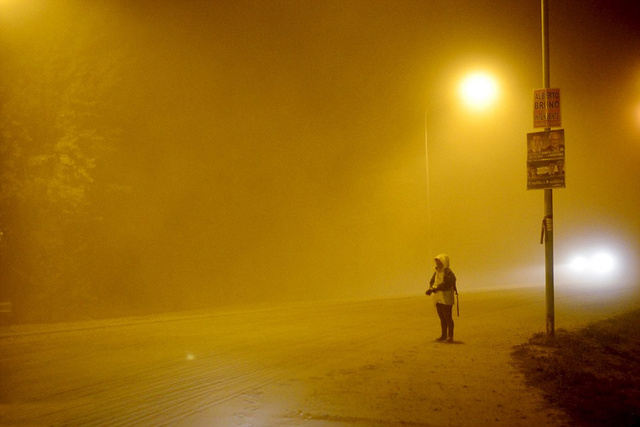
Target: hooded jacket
443 283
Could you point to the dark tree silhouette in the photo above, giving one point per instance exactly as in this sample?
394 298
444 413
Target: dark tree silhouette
55 126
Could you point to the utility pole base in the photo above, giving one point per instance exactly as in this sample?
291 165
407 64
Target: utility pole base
550 327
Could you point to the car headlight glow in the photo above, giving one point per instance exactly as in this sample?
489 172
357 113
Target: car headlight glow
603 263
579 264
591 266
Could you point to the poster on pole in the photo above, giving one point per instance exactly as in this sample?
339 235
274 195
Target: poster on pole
545 160
546 108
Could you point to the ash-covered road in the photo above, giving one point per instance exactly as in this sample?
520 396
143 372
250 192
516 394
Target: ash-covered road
369 363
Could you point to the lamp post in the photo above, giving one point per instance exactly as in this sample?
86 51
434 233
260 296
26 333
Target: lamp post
426 150
478 91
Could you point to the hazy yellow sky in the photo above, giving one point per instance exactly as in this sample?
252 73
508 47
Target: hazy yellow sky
276 149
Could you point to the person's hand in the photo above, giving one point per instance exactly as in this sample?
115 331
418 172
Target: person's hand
429 291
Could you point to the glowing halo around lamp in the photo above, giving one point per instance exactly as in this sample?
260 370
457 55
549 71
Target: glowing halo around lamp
479 90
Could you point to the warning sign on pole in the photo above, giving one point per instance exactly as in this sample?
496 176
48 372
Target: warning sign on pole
546 108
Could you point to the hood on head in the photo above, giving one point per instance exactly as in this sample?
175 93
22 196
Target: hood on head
444 259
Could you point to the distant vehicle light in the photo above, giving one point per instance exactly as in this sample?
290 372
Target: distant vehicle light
600 263
595 266
603 263
579 264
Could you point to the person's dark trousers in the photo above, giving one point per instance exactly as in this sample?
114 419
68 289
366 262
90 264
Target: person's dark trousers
445 312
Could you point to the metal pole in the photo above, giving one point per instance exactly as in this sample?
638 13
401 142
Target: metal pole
548 193
426 149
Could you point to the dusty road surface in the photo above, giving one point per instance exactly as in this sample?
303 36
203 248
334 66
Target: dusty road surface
368 363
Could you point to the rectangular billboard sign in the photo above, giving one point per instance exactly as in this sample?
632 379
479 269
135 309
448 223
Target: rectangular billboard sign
546 108
545 160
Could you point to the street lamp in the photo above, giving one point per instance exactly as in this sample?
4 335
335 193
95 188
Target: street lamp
478 91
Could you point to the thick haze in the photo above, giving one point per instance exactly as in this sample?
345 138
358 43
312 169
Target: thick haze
270 150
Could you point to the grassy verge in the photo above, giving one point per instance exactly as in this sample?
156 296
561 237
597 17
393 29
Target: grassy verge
592 373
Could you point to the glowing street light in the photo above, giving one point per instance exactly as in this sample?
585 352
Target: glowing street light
478 91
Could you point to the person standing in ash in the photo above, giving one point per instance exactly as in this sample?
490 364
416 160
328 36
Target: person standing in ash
443 287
